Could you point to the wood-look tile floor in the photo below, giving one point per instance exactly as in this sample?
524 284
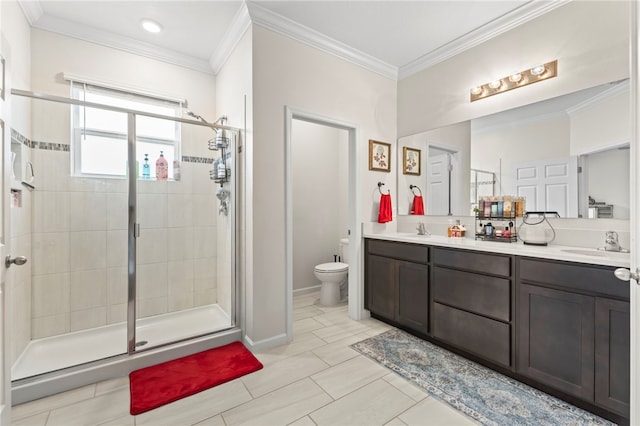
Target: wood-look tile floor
315 380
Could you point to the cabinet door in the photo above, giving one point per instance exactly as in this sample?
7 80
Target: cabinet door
413 296
613 355
556 339
381 286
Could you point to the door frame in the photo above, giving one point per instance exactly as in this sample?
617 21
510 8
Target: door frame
356 287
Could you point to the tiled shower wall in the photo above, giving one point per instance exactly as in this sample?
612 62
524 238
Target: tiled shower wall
80 243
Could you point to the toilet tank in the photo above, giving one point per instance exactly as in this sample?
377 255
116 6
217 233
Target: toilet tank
344 250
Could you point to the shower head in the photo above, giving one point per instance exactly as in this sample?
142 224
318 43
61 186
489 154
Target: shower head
196 116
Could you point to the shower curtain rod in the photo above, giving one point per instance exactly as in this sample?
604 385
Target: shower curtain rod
69 101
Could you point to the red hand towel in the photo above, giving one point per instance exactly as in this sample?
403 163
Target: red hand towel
418 205
385 215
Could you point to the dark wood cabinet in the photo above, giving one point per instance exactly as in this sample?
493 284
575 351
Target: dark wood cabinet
561 326
613 355
397 289
574 331
471 295
556 339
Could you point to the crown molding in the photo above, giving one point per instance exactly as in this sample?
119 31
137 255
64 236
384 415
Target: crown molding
108 39
32 10
494 28
617 87
239 25
289 28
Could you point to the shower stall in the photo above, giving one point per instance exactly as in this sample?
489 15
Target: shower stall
129 265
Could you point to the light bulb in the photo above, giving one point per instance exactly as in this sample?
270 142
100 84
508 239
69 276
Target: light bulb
495 84
515 77
538 70
476 90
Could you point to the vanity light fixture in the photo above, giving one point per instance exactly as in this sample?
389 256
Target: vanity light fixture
515 80
151 26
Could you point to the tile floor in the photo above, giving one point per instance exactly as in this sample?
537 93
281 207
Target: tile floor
315 380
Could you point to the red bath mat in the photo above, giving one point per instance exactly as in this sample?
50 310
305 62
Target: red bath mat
160 384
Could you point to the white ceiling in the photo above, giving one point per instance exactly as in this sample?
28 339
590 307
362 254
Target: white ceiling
387 36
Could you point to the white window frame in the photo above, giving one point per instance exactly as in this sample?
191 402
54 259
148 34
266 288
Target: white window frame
78 91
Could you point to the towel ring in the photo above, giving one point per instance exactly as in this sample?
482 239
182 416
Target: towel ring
415 186
380 186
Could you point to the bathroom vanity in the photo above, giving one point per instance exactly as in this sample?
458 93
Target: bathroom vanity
555 318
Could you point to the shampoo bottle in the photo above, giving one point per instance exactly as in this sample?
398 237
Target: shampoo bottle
162 168
146 169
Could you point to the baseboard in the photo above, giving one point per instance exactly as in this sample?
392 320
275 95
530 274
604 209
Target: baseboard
263 345
305 290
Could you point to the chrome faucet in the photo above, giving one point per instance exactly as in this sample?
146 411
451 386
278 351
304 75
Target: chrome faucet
422 230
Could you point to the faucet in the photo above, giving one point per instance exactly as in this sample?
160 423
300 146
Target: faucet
422 230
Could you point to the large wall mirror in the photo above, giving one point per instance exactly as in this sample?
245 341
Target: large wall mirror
568 154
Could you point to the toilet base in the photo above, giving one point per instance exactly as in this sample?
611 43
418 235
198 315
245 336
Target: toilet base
330 294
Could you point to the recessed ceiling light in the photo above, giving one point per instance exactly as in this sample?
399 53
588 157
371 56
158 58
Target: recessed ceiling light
151 26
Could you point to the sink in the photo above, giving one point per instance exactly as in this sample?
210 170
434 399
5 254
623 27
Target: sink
593 252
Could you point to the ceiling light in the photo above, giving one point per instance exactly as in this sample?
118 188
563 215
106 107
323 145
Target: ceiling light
515 77
538 70
515 80
151 26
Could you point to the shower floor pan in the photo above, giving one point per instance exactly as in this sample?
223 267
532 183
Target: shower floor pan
79 347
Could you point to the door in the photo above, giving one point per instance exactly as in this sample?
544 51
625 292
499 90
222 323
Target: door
381 281
438 184
556 339
5 216
548 185
413 296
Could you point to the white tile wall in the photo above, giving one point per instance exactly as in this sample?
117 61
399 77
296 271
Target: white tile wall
80 245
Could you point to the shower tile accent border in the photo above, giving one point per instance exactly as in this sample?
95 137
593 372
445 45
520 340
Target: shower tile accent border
17 137
200 160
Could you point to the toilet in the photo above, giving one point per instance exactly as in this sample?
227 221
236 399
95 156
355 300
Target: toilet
333 276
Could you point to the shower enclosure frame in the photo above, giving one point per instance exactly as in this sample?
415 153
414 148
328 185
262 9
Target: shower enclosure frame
46 384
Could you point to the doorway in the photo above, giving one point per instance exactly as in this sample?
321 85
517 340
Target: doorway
354 232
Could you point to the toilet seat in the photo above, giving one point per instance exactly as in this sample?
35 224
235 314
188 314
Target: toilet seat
331 267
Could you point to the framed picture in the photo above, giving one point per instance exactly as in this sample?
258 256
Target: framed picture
410 161
379 156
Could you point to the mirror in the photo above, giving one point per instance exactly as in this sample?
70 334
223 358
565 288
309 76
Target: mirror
568 154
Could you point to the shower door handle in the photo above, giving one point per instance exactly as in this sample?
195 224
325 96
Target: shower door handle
18 260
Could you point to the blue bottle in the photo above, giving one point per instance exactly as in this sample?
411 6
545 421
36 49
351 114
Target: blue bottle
146 169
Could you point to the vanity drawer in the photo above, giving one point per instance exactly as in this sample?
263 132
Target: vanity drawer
410 252
576 276
481 294
484 337
492 263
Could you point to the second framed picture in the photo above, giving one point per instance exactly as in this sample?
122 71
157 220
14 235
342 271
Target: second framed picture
410 161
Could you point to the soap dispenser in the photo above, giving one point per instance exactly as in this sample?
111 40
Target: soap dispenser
162 167
146 169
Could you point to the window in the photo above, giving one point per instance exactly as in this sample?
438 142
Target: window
99 138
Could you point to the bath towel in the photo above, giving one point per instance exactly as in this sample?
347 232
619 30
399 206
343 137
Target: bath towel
385 215
418 205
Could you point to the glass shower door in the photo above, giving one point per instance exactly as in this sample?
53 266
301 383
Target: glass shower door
178 273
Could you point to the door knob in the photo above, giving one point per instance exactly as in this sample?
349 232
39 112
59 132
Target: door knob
625 274
18 260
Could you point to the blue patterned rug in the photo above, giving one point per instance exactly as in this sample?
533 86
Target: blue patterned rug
479 392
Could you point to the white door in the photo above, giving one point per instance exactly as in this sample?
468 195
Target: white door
548 185
438 184
5 220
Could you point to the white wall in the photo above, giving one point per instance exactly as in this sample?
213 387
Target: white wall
233 89
286 72
319 160
614 165
590 40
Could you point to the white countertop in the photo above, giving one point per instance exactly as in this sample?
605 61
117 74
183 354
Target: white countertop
556 252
